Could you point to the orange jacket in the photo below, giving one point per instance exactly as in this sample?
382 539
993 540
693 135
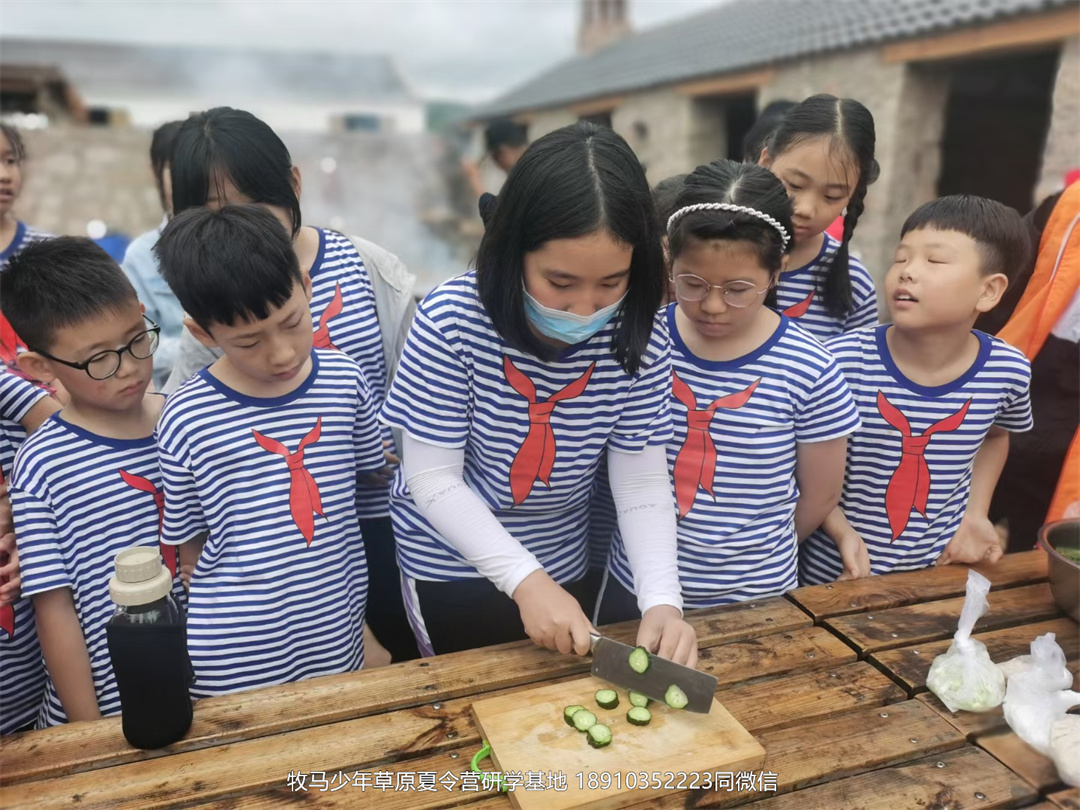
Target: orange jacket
1049 292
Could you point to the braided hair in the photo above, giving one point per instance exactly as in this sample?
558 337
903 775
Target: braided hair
850 126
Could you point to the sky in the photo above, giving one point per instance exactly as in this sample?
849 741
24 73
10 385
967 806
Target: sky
467 50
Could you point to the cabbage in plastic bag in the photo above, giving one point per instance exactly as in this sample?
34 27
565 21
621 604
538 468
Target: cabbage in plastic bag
964 677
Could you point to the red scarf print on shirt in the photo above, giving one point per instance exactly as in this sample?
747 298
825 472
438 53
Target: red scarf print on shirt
304 499
535 459
169 553
909 487
695 465
333 309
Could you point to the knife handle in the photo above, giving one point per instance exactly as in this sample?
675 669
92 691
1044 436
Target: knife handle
594 638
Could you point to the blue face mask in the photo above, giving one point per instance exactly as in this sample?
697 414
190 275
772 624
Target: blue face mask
567 327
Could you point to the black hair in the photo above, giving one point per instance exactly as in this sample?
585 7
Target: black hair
999 232
573 182
58 283
504 132
767 121
161 145
665 196
746 184
240 147
850 128
14 138
236 263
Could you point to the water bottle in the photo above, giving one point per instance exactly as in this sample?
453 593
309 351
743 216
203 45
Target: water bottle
148 647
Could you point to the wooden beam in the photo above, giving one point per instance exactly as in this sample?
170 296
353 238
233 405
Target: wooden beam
596 106
728 84
1000 36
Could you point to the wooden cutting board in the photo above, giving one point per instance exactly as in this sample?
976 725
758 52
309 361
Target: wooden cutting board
527 732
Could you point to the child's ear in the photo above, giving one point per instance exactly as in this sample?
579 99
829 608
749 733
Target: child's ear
36 366
784 261
764 159
305 277
993 287
200 334
297 181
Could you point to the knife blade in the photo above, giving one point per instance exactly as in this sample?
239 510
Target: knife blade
611 661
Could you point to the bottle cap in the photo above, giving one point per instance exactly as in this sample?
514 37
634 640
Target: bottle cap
141 577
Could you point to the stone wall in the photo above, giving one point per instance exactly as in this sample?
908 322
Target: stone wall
658 125
391 188
548 121
1062 153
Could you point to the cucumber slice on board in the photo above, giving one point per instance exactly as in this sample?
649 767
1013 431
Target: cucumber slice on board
639 660
584 720
675 697
639 716
607 698
569 712
599 735
638 699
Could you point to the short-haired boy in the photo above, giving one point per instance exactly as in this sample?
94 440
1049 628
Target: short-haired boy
259 454
85 484
937 400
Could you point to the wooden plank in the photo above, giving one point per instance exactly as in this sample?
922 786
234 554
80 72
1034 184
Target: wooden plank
597 106
429 730
729 84
780 654
911 587
1023 760
827 750
1066 799
931 621
808 754
244 716
763 706
1027 32
966 777
909 665
526 731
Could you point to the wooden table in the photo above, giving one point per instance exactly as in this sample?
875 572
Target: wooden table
830 679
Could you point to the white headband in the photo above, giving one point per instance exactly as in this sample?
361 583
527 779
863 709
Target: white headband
738 209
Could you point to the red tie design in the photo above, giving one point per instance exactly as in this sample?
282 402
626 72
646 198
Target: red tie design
695 465
799 309
9 343
909 487
7 612
304 500
536 457
333 309
169 553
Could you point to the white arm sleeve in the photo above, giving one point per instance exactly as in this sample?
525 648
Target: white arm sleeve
646 510
435 476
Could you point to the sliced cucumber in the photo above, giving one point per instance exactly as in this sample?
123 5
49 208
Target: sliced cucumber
569 712
639 659
638 699
639 716
607 698
584 720
675 697
599 735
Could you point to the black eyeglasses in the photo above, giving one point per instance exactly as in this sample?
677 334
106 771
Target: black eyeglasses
106 363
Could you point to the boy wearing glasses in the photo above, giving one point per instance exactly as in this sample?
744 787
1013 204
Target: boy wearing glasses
84 484
259 455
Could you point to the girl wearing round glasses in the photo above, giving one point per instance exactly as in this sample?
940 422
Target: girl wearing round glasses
761 411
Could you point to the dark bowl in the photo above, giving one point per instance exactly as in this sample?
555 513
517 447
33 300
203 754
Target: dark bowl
1064 573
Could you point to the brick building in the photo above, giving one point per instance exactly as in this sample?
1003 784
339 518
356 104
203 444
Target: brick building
979 96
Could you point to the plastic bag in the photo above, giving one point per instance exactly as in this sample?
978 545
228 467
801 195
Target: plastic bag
1046 657
1037 696
964 677
1065 748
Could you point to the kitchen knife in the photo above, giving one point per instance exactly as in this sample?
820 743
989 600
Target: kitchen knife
611 661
